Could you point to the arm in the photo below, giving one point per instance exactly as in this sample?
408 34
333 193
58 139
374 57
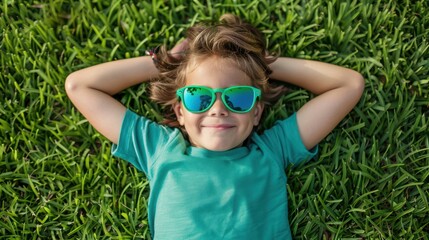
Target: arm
91 91
338 90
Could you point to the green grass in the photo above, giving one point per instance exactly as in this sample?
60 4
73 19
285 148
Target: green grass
59 181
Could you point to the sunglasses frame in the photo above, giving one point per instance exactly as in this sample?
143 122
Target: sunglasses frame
256 96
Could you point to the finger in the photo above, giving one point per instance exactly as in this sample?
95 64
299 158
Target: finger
180 47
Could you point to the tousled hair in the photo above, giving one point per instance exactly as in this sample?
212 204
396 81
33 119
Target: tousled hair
230 38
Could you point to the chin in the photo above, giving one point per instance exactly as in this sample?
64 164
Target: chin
219 149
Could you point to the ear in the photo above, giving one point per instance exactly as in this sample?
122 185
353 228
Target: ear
258 109
178 110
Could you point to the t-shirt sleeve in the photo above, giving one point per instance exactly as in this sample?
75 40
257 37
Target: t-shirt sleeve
140 140
285 140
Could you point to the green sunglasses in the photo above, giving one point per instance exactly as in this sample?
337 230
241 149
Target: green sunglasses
238 99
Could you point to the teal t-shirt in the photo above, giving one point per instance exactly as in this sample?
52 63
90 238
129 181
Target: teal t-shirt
201 194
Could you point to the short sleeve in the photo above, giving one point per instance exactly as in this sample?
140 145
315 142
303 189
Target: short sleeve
285 140
140 140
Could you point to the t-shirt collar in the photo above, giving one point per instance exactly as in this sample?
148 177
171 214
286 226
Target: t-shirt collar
234 153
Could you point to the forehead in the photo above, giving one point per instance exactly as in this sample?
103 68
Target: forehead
215 72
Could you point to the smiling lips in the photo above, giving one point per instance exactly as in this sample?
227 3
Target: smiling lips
219 126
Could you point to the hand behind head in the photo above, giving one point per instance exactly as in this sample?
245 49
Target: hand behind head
178 51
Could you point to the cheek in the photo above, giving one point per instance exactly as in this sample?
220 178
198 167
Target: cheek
189 120
253 118
248 121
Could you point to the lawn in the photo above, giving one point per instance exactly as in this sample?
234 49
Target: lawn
58 179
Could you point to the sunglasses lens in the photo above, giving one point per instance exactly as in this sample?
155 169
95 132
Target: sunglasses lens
197 99
239 99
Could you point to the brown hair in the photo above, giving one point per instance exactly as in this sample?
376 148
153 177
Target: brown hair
229 38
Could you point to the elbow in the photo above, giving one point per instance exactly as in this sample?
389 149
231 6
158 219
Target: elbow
71 84
357 83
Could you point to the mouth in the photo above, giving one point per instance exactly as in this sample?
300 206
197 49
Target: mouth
219 126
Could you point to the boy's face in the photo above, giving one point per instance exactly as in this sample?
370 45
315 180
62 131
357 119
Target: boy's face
217 129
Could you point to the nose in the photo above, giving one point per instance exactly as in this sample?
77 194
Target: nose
218 108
